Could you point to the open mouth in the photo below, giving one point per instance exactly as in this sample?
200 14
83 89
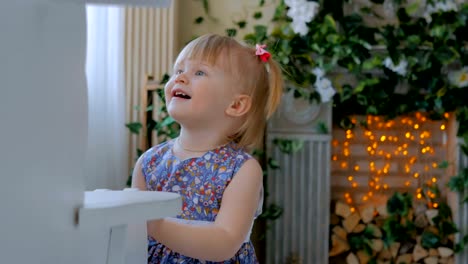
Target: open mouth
181 95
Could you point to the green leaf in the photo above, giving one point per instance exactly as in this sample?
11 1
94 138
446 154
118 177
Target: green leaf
429 240
412 8
443 165
166 122
199 20
273 163
330 22
231 32
260 33
149 108
399 204
257 15
134 127
322 127
241 24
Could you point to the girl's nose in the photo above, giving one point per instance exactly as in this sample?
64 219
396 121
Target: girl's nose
181 78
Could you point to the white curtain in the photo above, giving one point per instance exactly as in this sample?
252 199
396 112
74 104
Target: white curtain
107 155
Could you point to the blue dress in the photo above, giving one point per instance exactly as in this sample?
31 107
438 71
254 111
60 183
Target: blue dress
201 182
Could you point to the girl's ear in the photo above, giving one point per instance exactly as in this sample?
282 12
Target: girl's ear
239 106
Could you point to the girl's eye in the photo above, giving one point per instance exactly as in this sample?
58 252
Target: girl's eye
200 73
178 71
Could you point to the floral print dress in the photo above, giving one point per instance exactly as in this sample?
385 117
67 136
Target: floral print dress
201 182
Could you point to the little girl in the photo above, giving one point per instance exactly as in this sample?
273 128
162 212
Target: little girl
221 94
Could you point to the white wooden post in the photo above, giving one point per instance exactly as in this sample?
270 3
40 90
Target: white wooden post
43 132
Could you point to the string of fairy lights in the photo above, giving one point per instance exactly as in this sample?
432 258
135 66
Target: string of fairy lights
400 154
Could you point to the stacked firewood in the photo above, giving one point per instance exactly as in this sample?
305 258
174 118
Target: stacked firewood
346 223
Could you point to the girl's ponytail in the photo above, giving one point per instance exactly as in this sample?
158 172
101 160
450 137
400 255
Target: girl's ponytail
275 87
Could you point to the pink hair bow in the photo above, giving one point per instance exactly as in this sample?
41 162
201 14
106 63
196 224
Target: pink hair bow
262 53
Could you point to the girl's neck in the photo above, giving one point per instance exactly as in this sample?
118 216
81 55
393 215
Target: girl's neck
199 141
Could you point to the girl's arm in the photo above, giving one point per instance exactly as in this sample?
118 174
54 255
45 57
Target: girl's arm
223 239
138 180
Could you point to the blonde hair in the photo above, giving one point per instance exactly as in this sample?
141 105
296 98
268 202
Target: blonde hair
262 81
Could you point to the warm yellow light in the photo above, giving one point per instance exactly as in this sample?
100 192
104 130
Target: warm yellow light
354 184
413 160
353 209
346 143
419 196
370 194
377 179
385 170
369 148
416 126
421 142
382 138
385 186
346 195
349 200
350 178
371 184
407 183
405 152
446 115
349 136
374 145
426 168
435 205
407 134
442 127
372 164
434 180
344 164
372 137
434 165
335 143
423 151
372 152
388 156
365 198
334 157
416 175
377 187
356 168
368 133
405 145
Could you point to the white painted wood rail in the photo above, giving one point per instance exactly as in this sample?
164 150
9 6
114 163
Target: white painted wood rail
113 212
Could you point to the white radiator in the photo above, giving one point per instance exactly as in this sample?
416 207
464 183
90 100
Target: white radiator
301 186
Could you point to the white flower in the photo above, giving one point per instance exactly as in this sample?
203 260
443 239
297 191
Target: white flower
300 27
444 6
400 68
301 12
318 72
323 85
459 78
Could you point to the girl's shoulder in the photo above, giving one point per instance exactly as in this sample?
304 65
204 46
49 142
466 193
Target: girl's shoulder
157 151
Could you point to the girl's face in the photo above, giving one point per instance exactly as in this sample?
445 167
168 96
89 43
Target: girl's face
198 93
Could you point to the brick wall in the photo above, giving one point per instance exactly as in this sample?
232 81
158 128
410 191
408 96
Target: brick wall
397 155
